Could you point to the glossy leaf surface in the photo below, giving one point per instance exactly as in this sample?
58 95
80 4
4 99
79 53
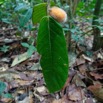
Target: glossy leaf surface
54 59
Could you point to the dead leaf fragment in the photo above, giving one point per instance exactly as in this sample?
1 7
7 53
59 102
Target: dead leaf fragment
82 69
57 101
89 100
97 90
6 100
42 90
20 58
80 61
77 80
62 100
87 58
26 100
76 94
96 75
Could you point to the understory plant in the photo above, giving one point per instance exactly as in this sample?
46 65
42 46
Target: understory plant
51 45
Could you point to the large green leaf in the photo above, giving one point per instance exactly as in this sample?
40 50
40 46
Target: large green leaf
39 11
54 59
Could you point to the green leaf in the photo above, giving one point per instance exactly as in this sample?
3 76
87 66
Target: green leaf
4 48
25 45
54 59
7 95
20 6
2 87
2 1
26 17
31 50
39 11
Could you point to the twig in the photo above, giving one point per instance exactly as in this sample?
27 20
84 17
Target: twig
1 30
87 32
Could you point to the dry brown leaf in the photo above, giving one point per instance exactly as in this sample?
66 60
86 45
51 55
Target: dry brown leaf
96 76
22 82
41 98
63 100
99 55
6 100
89 100
77 80
26 100
82 69
80 61
57 101
76 94
42 90
97 90
25 77
4 68
87 58
31 98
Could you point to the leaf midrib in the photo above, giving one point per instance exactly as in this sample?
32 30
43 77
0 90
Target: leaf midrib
50 42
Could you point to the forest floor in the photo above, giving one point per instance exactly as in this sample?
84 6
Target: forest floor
24 79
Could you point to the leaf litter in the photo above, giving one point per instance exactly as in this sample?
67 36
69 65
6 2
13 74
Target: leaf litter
24 79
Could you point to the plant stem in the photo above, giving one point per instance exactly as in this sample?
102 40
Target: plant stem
55 1
97 43
68 35
48 6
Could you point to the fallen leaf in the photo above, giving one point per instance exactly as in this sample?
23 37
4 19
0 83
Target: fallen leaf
6 100
41 98
4 67
72 58
25 77
76 94
62 100
89 100
42 90
99 55
20 58
96 75
97 90
80 61
87 58
26 100
82 69
36 66
22 82
77 80
57 101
